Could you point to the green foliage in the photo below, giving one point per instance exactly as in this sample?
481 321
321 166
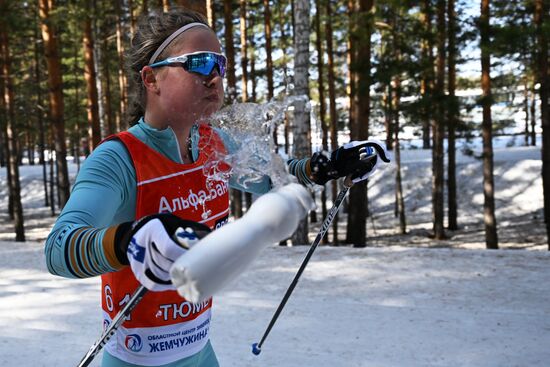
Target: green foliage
23 40
398 33
514 33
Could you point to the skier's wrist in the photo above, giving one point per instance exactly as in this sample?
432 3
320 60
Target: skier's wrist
321 169
121 241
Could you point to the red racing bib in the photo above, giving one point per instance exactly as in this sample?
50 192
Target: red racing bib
164 327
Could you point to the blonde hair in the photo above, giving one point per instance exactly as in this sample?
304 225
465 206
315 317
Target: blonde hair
153 28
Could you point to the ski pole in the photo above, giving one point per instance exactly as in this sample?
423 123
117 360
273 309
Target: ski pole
115 324
257 347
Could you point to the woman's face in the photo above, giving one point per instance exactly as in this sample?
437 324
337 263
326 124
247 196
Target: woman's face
185 97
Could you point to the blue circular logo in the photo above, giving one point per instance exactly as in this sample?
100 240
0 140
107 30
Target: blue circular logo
133 342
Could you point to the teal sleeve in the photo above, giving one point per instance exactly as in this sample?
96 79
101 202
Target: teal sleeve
81 241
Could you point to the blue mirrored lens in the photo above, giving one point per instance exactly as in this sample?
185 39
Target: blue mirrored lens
204 63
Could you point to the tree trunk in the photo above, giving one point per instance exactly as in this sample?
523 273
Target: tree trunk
322 102
302 136
541 23
358 208
452 119
252 44
351 56
394 93
526 109
229 52
5 149
11 133
121 123
244 52
252 76
283 40
132 18
76 131
91 86
3 153
533 115
491 239
268 51
52 179
236 195
388 120
358 192
400 202
98 48
211 14
53 60
196 5
110 124
30 145
4 122
426 83
332 109
284 47
438 128
288 123
269 66
244 67
40 117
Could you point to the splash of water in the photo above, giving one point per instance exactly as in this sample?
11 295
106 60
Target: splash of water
248 132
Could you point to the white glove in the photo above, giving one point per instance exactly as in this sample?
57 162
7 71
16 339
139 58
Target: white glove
155 243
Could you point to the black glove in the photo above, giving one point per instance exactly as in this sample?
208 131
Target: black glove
153 243
357 160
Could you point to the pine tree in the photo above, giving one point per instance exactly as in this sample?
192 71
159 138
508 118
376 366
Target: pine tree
452 119
332 107
357 217
438 127
491 238
90 77
541 22
302 136
11 132
53 61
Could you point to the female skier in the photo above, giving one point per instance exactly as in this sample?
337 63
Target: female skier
140 186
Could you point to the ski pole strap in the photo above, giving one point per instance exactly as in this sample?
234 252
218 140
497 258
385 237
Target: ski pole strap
115 324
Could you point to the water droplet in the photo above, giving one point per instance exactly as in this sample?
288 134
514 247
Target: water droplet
249 128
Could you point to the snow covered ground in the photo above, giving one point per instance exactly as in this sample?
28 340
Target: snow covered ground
403 301
391 306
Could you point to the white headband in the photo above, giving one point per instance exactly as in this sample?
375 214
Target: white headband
171 38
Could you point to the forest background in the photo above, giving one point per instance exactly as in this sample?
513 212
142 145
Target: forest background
429 75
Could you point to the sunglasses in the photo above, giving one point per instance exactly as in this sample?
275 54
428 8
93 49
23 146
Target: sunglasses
201 62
